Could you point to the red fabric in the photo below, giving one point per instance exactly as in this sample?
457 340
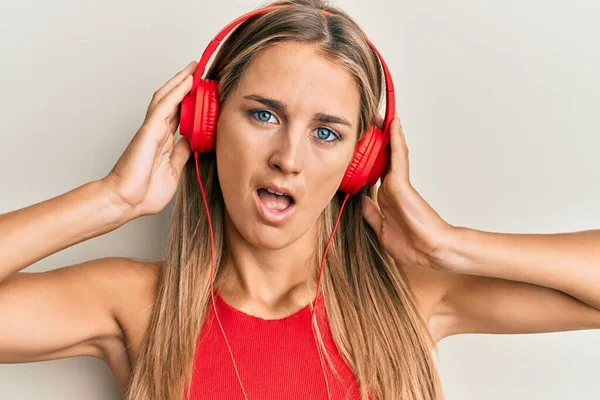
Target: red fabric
276 359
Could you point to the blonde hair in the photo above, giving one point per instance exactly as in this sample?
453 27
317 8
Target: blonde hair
372 313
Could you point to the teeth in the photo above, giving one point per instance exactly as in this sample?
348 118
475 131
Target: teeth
274 192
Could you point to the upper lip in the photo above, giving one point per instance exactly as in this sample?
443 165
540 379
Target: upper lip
279 188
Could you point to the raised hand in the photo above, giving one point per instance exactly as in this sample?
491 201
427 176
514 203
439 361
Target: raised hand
147 174
407 227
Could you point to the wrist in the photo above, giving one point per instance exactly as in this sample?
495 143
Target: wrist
449 255
117 211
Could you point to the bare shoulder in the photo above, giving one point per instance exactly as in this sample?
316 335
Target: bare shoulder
97 308
132 290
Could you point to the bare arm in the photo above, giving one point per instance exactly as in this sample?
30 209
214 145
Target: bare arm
568 262
62 312
469 281
74 310
518 283
30 234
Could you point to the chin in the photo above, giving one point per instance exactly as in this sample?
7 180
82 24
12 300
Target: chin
258 234
269 237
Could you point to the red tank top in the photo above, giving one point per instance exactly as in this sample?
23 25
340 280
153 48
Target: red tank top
276 358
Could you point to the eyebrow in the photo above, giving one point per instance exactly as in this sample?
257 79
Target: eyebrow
281 106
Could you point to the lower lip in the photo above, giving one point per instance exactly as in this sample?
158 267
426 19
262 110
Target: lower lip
272 216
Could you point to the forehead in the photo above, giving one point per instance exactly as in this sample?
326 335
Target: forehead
296 74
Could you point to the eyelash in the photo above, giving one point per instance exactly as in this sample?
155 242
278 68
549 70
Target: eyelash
254 113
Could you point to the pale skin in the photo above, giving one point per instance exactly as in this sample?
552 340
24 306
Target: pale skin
464 280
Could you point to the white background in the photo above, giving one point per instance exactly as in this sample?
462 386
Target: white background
498 101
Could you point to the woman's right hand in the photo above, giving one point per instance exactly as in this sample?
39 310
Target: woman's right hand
147 174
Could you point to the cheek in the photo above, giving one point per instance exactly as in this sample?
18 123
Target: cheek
325 181
228 163
239 142
234 170
232 147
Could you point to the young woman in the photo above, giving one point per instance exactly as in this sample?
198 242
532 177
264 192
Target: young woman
298 88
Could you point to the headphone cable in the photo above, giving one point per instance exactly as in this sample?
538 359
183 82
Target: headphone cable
313 317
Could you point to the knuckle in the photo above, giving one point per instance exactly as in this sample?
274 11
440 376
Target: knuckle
157 95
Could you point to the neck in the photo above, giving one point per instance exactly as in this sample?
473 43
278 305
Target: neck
274 278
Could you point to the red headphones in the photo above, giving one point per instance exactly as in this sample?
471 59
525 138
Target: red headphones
200 112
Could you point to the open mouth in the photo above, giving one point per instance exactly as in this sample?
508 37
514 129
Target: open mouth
275 201
272 206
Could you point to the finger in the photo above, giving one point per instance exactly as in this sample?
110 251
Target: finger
172 83
371 213
181 153
174 123
169 103
399 152
174 118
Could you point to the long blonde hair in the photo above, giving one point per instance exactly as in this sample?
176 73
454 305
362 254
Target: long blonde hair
372 313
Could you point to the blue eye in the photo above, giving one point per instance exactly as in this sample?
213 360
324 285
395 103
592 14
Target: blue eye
324 133
262 115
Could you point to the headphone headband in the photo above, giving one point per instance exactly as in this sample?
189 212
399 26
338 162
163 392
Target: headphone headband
390 104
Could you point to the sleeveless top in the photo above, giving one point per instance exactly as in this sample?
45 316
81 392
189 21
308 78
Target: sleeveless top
276 358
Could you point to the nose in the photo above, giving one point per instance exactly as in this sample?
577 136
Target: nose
288 151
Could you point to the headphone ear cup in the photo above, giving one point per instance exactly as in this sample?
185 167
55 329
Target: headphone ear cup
208 116
186 116
368 163
199 115
381 159
354 179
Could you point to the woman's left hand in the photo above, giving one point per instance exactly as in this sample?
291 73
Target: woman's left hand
405 224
